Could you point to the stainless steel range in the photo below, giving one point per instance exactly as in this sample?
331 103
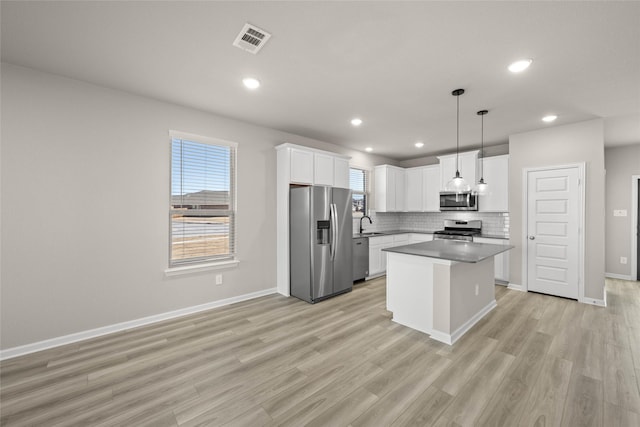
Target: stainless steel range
459 230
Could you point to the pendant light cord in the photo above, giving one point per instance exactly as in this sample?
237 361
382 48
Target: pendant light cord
481 146
481 113
457 132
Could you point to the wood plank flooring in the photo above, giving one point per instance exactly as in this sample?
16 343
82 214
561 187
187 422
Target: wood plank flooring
535 360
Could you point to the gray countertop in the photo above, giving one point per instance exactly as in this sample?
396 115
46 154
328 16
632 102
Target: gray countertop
393 232
451 250
390 233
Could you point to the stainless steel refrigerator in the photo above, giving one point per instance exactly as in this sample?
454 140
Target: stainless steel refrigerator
320 232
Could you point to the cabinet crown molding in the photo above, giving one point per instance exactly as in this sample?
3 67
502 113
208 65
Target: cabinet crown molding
464 153
311 149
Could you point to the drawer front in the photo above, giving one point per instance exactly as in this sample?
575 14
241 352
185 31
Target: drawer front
400 239
418 237
380 240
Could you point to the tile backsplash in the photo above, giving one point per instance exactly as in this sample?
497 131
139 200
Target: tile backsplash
493 223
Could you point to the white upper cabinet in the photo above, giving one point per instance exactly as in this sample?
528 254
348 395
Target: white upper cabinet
301 166
414 193
313 167
389 188
341 172
496 175
467 165
431 188
422 189
322 169
401 180
297 164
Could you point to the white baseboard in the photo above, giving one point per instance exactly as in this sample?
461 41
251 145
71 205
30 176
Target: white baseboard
618 276
516 287
93 333
593 301
458 333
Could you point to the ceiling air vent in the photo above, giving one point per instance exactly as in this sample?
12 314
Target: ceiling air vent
251 38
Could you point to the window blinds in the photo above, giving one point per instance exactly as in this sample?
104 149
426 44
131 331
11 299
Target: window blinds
202 199
358 185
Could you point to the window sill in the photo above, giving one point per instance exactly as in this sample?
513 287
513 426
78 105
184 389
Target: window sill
189 269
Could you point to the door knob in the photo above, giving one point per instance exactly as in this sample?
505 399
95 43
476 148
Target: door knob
532 237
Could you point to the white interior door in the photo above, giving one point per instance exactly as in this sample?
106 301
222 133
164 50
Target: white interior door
553 227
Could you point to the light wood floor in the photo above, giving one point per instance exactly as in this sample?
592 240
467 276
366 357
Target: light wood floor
534 360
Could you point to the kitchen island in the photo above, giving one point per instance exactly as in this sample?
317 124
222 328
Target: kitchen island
443 287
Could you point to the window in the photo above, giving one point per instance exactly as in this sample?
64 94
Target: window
358 184
203 196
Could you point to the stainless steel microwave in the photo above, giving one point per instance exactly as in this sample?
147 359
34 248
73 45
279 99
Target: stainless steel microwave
453 201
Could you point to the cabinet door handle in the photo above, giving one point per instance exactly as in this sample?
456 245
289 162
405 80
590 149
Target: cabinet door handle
532 237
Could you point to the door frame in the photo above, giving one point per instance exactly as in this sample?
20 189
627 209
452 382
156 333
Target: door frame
634 224
581 222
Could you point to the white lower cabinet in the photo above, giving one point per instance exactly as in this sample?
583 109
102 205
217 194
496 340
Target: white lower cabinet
501 261
399 240
378 258
420 237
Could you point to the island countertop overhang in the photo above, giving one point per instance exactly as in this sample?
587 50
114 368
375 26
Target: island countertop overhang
451 250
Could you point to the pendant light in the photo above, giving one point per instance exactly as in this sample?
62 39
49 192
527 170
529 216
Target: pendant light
457 183
482 187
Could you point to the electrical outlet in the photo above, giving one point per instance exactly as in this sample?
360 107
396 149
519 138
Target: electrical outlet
623 260
477 289
218 279
620 212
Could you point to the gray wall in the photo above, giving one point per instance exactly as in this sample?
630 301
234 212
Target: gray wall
575 143
494 150
621 164
85 198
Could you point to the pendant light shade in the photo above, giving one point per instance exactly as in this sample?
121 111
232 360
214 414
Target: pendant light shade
457 183
482 187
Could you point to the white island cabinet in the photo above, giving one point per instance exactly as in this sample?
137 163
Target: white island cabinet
441 288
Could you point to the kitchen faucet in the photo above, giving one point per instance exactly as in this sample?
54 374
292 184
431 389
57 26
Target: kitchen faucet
361 218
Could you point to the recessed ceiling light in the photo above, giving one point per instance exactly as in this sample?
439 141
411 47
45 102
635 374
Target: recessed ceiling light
368 149
356 121
549 118
519 66
419 144
251 83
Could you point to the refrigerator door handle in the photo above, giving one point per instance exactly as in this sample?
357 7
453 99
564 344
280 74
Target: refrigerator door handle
334 230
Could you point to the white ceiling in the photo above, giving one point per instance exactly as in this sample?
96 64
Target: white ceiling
394 64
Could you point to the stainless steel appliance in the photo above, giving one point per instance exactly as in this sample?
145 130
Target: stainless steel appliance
453 201
321 231
459 230
360 258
